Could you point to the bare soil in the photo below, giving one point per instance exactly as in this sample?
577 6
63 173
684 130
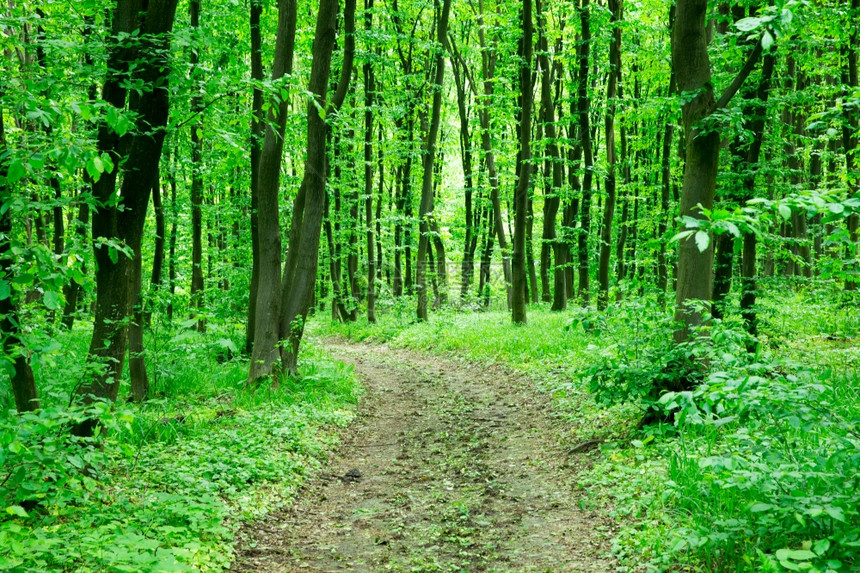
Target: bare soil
451 466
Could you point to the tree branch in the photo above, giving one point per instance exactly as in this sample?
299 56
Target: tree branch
740 78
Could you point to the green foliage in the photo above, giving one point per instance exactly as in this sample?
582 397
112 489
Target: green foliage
163 484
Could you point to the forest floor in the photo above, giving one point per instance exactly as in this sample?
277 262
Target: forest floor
451 466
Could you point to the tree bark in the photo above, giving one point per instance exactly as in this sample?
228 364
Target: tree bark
255 144
583 108
196 174
693 75
850 142
521 194
368 171
23 381
615 7
428 160
302 258
264 354
138 154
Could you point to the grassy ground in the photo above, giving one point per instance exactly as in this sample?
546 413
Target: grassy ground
167 484
761 470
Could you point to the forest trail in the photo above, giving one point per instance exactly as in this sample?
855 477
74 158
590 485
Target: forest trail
450 466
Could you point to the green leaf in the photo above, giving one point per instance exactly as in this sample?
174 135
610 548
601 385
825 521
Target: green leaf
821 546
794 554
17 510
51 300
766 40
835 513
761 507
702 240
784 211
681 235
836 208
748 24
5 290
17 171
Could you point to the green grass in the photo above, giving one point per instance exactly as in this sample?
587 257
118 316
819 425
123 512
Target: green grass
167 486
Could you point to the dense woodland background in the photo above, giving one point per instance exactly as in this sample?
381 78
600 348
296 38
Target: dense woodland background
614 162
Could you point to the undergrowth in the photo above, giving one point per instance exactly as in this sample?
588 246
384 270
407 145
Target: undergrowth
757 468
164 484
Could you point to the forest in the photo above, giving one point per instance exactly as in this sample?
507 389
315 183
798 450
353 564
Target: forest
429 285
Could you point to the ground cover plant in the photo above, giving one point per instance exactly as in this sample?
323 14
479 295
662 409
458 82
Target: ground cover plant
163 485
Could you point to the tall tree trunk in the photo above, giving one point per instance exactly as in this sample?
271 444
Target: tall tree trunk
23 381
303 255
521 194
850 141
488 66
693 74
748 258
615 8
196 174
255 144
174 228
428 160
138 152
368 170
461 75
264 355
583 110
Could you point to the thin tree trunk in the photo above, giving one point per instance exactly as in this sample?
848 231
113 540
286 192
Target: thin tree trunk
428 159
850 142
255 144
521 195
583 109
368 171
615 8
196 176
23 381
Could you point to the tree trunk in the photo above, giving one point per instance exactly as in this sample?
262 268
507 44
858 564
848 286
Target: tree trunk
264 355
138 153
850 142
583 109
615 8
255 144
428 159
693 75
521 194
488 66
174 224
368 171
196 175
303 255
23 381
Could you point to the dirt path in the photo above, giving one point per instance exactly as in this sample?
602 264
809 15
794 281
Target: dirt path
450 467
